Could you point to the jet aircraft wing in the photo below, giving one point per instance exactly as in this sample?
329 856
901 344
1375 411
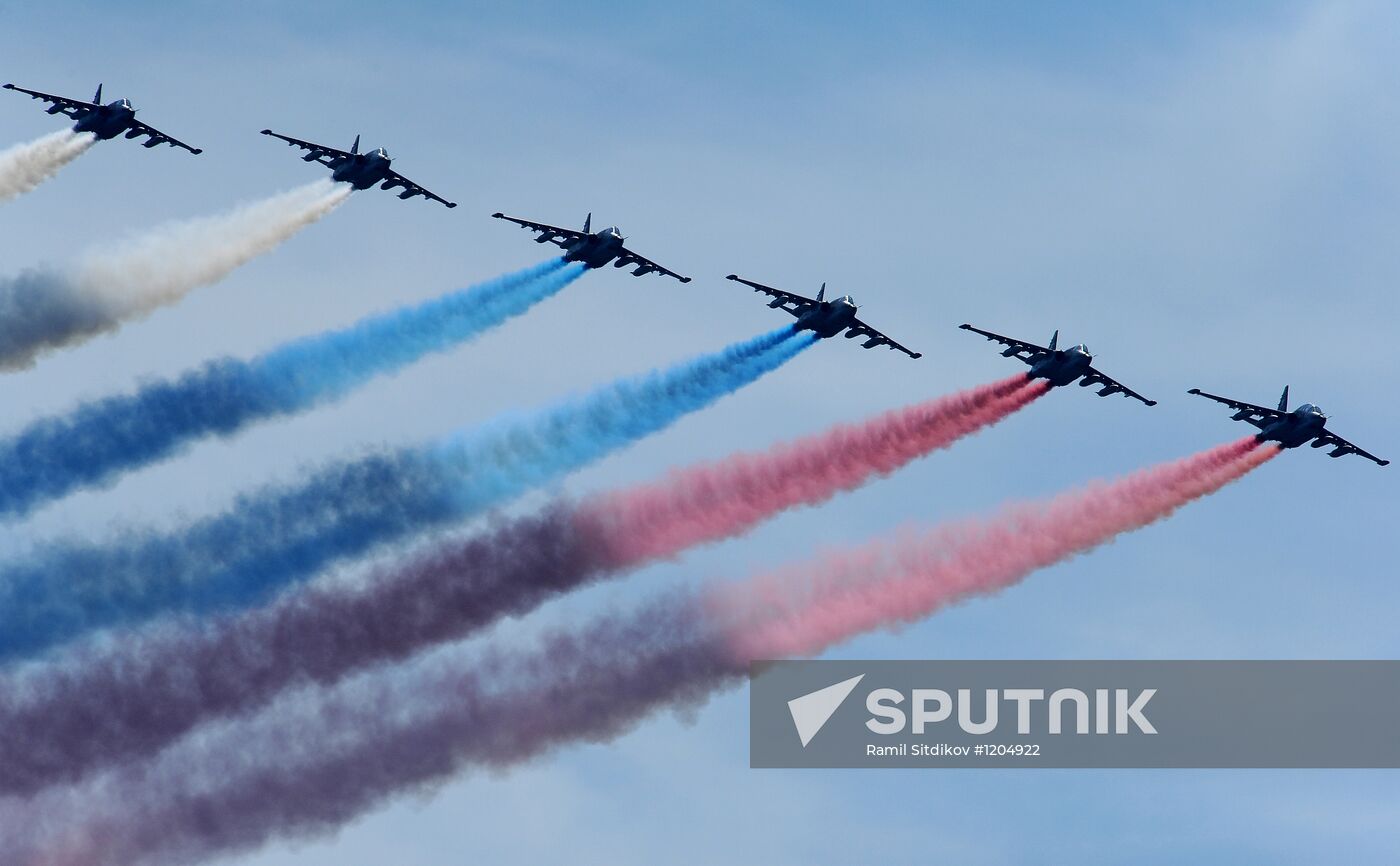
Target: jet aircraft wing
1341 447
155 137
327 156
644 265
1111 386
410 189
875 338
797 305
1027 352
560 237
794 304
61 104
1259 416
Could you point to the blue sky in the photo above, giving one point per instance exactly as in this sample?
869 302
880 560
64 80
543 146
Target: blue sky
1205 195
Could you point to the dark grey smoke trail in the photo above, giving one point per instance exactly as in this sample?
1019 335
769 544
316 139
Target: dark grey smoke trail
100 705
308 767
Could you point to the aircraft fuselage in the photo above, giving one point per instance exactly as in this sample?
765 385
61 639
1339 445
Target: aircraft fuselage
829 318
594 250
1298 427
108 121
363 170
1062 367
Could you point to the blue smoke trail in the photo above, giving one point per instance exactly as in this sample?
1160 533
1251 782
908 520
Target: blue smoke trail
279 536
97 441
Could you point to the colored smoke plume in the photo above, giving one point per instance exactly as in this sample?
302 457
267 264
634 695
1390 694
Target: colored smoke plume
307 767
98 440
96 708
281 535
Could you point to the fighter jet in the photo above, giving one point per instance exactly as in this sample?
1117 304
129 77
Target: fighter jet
1290 429
593 249
105 121
360 170
1060 366
826 318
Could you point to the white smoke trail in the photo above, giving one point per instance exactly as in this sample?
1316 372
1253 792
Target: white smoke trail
41 310
27 165
159 266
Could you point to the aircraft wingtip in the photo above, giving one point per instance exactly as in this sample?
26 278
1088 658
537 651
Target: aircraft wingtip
1194 391
917 355
685 279
9 87
1385 462
1152 402
732 277
451 204
498 215
965 326
267 132
197 151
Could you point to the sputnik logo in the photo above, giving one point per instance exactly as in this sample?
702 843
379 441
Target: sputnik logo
812 711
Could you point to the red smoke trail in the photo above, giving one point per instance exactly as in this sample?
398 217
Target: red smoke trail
718 500
801 611
113 703
310 767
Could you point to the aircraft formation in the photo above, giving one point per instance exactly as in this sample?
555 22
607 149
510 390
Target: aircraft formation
1303 425
236 591
824 318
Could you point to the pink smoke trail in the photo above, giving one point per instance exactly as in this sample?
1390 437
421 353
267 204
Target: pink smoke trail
308 767
108 704
721 499
801 611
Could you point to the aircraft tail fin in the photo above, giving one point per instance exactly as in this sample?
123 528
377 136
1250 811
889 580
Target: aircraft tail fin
97 97
355 148
588 223
1283 401
821 293
1054 339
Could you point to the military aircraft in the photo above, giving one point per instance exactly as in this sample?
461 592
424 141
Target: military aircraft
105 121
360 170
1290 429
826 318
1060 366
592 249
